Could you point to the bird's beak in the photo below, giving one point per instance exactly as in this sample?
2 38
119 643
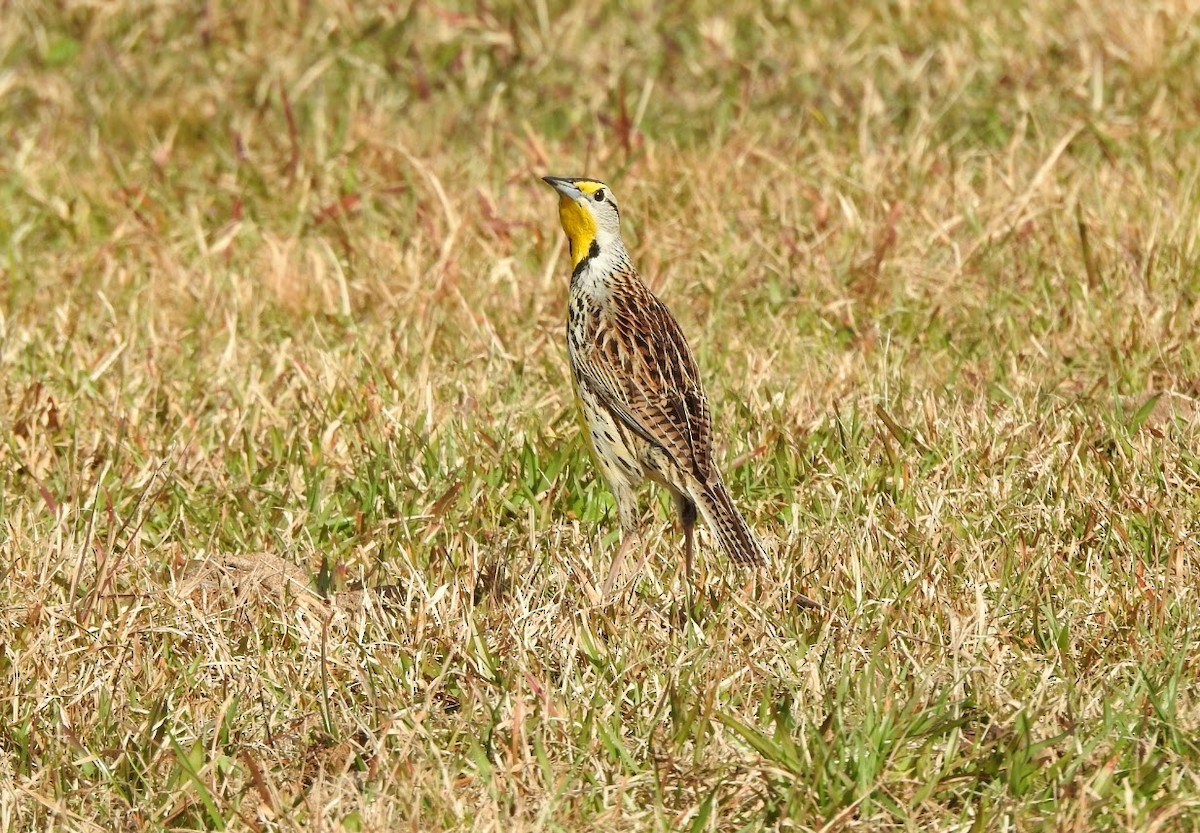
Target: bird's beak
563 186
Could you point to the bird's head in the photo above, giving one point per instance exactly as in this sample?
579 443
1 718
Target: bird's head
588 213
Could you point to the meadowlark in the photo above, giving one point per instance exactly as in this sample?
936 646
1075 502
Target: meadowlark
637 383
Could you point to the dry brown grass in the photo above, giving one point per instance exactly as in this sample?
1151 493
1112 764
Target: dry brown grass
296 527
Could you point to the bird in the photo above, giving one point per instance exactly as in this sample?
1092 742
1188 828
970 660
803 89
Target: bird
637 383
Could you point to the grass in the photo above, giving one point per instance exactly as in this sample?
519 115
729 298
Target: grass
283 303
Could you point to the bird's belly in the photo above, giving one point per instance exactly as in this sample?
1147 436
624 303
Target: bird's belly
618 451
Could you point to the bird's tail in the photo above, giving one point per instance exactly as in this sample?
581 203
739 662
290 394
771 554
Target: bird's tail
723 518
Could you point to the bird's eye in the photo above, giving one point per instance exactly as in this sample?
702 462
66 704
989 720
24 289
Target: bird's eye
599 195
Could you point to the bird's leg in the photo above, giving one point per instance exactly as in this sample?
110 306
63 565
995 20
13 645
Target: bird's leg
687 517
627 509
614 570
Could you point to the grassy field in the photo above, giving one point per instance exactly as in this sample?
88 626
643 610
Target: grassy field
298 530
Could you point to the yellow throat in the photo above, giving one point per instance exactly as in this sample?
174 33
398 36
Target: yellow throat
578 222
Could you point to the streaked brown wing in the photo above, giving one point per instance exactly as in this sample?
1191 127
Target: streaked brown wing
642 369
